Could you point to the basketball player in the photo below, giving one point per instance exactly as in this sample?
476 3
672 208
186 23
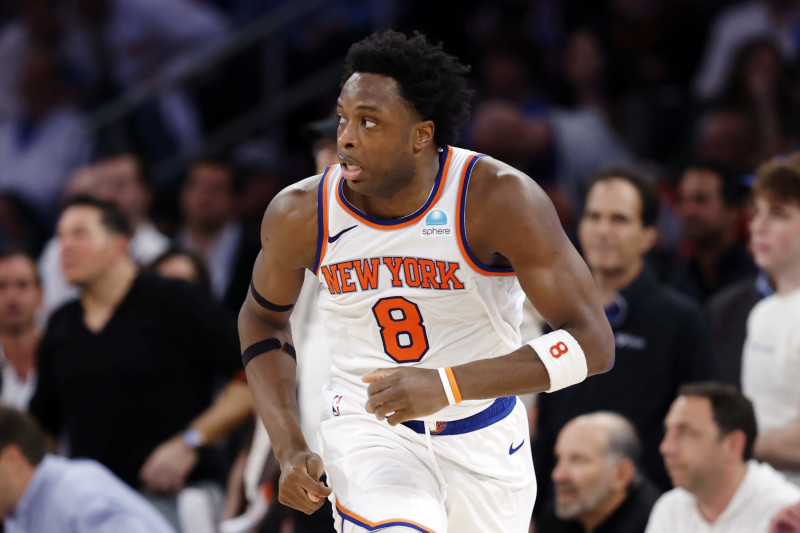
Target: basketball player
421 249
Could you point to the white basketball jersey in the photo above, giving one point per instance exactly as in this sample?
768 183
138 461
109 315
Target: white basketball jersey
409 291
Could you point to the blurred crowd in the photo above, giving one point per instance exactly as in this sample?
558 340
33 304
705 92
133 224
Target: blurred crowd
648 123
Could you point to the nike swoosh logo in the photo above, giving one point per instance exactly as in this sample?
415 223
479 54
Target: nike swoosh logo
512 450
332 239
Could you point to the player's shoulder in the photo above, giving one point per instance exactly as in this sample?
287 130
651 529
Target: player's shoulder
499 186
295 203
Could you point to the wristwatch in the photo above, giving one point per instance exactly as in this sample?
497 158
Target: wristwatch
193 438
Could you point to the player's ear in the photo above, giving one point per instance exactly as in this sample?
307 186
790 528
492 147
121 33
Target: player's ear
423 135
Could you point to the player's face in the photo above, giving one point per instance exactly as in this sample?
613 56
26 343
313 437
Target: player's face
701 206
87 248
692 447
375 136
611 233
583 473
20 292
775 235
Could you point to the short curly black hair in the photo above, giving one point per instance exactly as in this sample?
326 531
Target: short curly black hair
432 81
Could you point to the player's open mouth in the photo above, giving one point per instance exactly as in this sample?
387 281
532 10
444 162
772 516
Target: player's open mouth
350 171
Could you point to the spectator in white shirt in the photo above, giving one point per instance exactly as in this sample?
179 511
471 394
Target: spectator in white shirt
707 449
20 297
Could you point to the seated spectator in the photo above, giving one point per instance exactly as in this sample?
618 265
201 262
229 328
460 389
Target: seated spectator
771 358
119 179
661 336
40 492
46 140
598 483
708 449
210 228
128 371
787 521
20 297
180 264
710 205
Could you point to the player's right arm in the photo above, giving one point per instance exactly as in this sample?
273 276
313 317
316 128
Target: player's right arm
288 240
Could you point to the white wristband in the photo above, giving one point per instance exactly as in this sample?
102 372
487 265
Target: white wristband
448 390
563 358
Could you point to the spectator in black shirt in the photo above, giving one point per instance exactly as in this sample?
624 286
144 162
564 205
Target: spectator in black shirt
710 199
128 371
662 339
598 485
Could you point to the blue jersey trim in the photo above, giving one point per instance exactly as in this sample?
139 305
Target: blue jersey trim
321 191
393 222
500 409
463 225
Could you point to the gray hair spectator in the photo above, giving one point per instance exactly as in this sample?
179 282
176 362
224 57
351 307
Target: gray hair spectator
599 486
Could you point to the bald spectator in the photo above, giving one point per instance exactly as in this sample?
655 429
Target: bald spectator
710 206
599 487
20 297
708 450
119 179
40 492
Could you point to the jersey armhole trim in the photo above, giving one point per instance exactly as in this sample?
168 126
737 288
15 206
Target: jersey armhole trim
322 219
375 526
463 245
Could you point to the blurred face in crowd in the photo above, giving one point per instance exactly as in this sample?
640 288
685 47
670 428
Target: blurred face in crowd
120 183
585 477
208 198
775 235
84 181
695 453
584 61
88 249
702 207
611 232
20 292
40 86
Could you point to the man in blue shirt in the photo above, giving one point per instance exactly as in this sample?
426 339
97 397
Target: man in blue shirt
40 492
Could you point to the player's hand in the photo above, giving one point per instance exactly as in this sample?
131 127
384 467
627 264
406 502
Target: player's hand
400 394
168 466
299 486
787 521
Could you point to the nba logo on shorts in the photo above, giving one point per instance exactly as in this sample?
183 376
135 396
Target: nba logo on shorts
335 405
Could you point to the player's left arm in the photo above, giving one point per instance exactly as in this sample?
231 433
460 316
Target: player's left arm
510 221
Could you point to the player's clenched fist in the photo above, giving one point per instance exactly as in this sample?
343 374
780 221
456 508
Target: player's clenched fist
299 485
402 394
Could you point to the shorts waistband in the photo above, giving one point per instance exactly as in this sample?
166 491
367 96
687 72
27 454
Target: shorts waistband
495 412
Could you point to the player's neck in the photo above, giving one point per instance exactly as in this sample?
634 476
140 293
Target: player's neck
717 495
610 282
406 200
